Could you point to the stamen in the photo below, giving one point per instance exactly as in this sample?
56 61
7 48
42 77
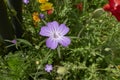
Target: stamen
55 35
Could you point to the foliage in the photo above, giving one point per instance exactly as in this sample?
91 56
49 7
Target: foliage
92 55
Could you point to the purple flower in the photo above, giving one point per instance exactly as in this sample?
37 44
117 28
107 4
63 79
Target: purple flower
26 1
56 33
48 68
42 16
14 41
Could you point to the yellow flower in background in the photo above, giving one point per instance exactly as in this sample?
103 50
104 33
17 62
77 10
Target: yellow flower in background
35 17
46 6
118 66
42 1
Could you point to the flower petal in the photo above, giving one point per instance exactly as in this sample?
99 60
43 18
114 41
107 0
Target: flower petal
63 29
45 31
48 68
53 26
117 15
112 3
107 7
117 2
65 41
51 43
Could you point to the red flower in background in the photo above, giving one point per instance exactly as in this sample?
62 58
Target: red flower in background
79 6
49 12
114 7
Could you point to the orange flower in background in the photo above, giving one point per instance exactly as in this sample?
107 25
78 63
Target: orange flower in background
114 7
35 16
46 6
42 1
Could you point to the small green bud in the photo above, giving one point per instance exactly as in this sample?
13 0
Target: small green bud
61 70
97 13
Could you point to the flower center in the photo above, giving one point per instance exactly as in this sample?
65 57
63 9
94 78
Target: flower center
56 35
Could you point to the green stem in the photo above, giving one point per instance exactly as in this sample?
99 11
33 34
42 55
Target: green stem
58 50
41 42
80 31
84 26
65 21
84 6
44 21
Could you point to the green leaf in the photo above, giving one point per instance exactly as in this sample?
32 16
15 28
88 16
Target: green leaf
24 42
